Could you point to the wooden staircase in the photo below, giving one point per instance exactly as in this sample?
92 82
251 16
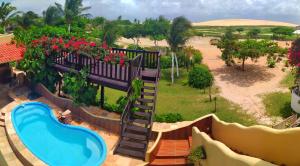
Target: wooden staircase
136 126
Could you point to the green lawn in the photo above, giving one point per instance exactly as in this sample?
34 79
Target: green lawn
289 80
190 103
278 104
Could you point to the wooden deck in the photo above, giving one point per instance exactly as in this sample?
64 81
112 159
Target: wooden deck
107 74
175 145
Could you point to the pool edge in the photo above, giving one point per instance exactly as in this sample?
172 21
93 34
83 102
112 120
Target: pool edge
30 158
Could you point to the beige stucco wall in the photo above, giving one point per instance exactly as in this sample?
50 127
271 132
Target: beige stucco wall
219 154
277 146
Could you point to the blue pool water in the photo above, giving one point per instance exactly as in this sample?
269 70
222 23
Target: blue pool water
54 143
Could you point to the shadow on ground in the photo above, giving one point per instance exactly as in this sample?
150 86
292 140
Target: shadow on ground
253 73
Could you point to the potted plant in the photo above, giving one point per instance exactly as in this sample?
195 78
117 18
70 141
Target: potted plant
294 59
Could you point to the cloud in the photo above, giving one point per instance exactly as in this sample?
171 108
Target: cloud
196 10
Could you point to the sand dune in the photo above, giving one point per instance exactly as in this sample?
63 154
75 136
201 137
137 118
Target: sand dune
243 22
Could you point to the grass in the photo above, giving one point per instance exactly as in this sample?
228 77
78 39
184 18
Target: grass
216 31
278 104
289 80
189 102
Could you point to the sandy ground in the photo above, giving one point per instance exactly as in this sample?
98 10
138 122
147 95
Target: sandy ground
244 88
243 22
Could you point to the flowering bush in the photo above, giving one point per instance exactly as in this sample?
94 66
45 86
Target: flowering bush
76 46
294 53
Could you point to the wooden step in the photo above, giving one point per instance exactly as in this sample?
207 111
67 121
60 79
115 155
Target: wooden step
137 145
148 94
146 115
137 128
143 107
135 136
140 121
170 162
149 81
149 87
132 153
143 100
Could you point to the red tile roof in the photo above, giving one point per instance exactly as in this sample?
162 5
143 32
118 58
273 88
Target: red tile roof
10 53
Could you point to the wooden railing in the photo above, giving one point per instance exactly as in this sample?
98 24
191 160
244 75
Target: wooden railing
123 73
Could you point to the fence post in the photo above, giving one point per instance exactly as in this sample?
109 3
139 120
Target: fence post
129 72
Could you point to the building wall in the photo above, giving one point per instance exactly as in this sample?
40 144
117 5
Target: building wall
5 73
219 154
277 146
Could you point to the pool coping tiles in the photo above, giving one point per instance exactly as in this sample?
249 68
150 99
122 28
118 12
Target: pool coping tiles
21 150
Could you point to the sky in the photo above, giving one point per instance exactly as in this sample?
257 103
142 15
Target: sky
195 10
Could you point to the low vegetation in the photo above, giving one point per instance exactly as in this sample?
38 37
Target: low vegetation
190 103
278 104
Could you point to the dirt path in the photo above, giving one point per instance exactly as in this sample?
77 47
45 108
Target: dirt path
241 87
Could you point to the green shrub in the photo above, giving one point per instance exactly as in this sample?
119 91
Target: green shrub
118 107
169 118
77 87
134 47
200 77
197 57
165 62
271 63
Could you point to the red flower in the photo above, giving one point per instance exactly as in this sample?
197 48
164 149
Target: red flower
35 43
67 45
55 47
22 52
73 38
53 41
93 44
122 62
60 40
104 45
121 54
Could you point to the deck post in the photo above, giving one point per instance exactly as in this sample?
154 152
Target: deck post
102 97
59 88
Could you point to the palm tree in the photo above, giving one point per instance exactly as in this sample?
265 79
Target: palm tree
53 15
177 38
72 10
7 11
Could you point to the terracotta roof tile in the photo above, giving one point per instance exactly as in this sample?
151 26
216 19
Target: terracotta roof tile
10 53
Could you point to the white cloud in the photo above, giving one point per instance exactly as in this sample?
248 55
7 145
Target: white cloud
196 10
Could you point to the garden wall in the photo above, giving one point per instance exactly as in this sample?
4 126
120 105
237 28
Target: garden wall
277 146
219 154
108 124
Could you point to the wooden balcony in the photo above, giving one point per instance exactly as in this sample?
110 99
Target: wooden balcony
108 74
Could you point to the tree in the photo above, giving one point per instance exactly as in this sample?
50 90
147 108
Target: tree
111 33
253 33
254 49
53 15
227 45
72 10
240 29
281 32
157 29
134 32
27 19
248 49
177 37
7 12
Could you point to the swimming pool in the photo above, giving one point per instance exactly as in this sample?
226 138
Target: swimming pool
54 143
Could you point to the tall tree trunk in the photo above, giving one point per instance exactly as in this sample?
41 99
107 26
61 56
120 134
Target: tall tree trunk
172 72
69 28
243 65
4 30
